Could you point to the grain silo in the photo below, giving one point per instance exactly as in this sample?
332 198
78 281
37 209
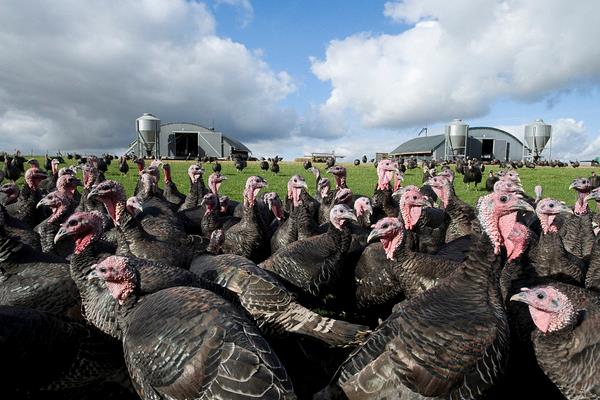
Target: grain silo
537 135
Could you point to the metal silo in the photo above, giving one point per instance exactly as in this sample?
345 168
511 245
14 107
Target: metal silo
537 135
148 129
456 138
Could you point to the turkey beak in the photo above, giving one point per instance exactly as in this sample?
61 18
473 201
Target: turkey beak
564 209
572 186
522 296
42 202
523 206
591 196
373 236
93 275
62 232
93 193
349 215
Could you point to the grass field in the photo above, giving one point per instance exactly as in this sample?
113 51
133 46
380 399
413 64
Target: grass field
361 179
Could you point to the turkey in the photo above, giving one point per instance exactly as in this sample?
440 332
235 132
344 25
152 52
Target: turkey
417 350
212 219
248 238
197 188
383 204
339 173
273 202
214 351
123 166
29 278
472 173
314 265
271 304
388 272
567 338
577 230
170 191
216 167
307 165
490 181
275 166
11 168
24 209
49 184
264 165
330 162
239 164
62 207
177 251
461 214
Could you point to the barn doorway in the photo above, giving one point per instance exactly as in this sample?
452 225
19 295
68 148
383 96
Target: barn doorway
487 149
186 144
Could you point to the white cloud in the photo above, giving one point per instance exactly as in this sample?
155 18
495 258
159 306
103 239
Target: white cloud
457 58
246 11
75 75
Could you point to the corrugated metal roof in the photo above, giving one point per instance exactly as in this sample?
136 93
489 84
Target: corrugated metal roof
424 144
237 145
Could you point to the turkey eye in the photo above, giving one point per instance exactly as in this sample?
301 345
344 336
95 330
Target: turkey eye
551 205
385 226
414 197
540 296
504 199
72 223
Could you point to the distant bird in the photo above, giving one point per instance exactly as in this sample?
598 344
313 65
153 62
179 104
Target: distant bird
275 167
189 156
357 162
364 159
240 164
307 165
216 167
123 166
330 162
264 165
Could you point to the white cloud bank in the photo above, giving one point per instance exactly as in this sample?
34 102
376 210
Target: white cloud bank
75 75
458 57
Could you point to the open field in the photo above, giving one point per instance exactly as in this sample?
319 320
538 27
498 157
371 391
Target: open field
361 179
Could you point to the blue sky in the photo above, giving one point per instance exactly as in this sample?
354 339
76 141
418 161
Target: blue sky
289 77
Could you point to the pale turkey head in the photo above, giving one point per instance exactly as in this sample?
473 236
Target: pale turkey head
386 170
134 206
390 232
442 187
447 173
253 185
583 186
363 209
153 171
295 186
411 204
339 214
57 201
508 186
224 202
90 175
398 179
497 214
112 195
511 175
140 163
72 170
215 245
195 173
547 210
68 184
83 227
323 187
33 177
339 173
550 308
147 185
120 276
54 166
274 203
593 195
215 180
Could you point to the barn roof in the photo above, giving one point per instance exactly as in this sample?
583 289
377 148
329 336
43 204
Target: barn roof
423 144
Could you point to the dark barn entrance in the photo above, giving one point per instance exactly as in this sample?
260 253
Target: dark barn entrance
186 143
487 149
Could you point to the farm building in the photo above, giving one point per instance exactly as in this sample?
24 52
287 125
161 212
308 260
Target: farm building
484 143
179 140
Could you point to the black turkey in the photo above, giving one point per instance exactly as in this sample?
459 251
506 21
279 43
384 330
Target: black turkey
314 265
415 351
213 351
567 339
197 188
170 191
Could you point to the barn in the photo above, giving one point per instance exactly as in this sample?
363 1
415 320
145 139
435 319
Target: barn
482 142
181 140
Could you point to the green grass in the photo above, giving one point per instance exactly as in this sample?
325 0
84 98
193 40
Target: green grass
361 179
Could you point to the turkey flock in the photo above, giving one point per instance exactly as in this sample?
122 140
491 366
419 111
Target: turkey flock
404 293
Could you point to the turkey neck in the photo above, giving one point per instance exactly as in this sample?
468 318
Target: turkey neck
342 237
305 223
383 204
98 305
210 221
